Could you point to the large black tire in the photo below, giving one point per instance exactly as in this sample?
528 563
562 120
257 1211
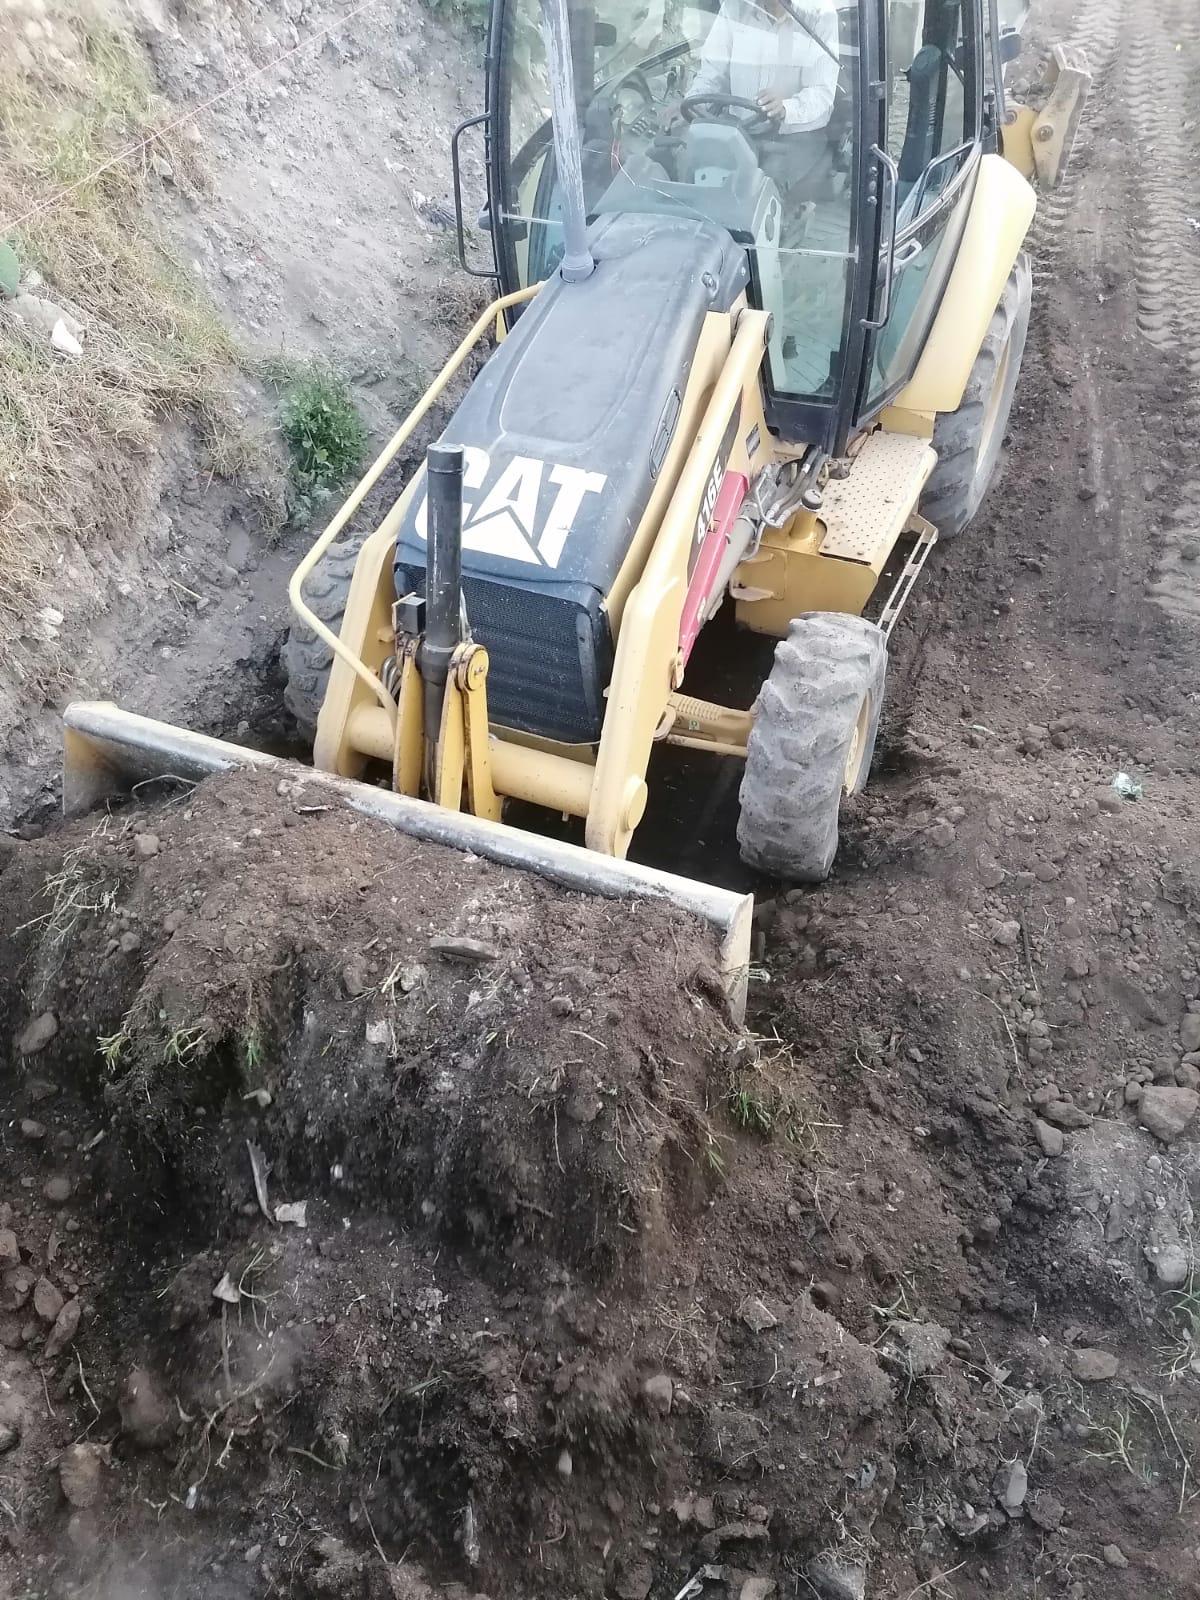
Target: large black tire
306 658
968 441
814 731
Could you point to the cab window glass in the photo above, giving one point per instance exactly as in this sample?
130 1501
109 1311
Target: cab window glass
929 117
741 112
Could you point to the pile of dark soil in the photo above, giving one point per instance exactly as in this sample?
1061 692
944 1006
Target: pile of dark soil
489 1100
377 1222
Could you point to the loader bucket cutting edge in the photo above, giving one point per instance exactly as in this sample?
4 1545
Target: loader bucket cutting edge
107 752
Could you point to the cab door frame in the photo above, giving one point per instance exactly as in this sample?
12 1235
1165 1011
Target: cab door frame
935 226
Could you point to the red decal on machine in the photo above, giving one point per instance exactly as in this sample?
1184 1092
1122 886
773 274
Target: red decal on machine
727 504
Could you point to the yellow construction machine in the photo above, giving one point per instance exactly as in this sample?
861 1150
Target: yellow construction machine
762 305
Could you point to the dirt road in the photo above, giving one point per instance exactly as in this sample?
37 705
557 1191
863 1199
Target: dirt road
895 1298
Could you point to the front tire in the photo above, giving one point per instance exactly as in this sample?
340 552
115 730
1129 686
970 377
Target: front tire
307 659
817 717
968 441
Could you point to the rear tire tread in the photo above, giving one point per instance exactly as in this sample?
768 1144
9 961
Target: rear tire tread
307 659
964 467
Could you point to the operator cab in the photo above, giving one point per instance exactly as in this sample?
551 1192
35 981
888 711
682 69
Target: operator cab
671 125
874 121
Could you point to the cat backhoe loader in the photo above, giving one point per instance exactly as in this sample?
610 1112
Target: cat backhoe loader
761 306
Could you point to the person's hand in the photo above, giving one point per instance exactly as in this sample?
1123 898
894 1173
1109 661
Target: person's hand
771 103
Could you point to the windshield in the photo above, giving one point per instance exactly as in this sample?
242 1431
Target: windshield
741 112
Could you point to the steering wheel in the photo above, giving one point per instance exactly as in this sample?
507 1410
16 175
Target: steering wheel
724 108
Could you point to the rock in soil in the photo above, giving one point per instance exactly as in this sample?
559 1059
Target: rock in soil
757 1315
835 1579
47 1300
634 1581
659 1392
37 1034
1065 1115
15 1288
1114 1556
924 1345
1166 1112
470 951
10 1437
1094 1366
66 1326
1012 1485
756 1589
1051 1139
1047 1512
80 1473
147 1416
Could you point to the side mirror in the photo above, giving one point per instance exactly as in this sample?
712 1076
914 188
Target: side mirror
605 35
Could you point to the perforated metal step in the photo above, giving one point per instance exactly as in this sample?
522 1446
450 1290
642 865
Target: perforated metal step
865 513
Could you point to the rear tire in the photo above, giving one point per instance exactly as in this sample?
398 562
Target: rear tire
813 737
307 658
968 441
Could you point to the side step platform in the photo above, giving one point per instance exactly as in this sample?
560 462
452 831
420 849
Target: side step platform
832 559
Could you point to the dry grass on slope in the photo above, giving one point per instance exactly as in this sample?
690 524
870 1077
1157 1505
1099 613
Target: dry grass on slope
76 433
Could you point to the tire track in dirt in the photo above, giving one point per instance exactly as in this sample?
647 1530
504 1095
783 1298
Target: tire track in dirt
1082 260
1156 58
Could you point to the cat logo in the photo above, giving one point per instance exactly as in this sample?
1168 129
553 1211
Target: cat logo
509 520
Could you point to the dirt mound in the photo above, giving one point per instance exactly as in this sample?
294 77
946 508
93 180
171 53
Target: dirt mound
369 1199
378 1218
478 1091
396 1024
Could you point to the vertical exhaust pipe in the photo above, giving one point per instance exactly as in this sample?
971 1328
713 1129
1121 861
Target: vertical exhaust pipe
443 577
577 263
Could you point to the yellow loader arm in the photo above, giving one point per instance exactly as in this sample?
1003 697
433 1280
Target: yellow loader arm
1039 143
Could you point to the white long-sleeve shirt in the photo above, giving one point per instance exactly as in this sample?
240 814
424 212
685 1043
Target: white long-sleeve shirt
748 51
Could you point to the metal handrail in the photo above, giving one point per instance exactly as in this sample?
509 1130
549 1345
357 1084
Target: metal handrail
382 461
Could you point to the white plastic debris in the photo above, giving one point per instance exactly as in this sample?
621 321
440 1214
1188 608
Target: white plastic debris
227 1290
1128 788
64 341
293 1211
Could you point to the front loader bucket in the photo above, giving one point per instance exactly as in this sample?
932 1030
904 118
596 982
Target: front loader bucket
108 752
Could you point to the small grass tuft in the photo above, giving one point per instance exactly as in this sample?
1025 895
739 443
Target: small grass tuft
1185 1325
111 1047
1114 1442
713 1156
252 1052
75 891
182 1044
751 1111
761 1098
325 435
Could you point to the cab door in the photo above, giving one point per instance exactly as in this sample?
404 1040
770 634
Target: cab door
931 144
